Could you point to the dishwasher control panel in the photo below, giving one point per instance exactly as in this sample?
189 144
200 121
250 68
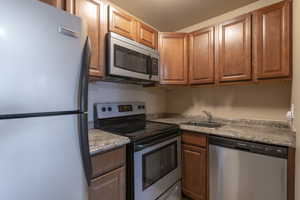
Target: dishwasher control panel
266 149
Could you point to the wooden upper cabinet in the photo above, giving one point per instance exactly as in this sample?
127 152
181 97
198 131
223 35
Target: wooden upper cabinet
234 50
67 5
147 35
93 13
56 3
173 49
272 41
202 59
121 23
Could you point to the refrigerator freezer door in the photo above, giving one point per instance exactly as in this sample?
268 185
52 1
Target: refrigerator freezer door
40 159
41 55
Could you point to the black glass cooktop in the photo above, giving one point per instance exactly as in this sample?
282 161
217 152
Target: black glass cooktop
136 129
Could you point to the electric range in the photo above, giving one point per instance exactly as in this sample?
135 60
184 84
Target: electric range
153 155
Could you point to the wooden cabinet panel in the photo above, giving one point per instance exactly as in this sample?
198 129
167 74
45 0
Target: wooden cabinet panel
194 172
121 23
93 13
173 58
202 65
107 161
110 186
147 35
272 41
234 63
56 3
194 139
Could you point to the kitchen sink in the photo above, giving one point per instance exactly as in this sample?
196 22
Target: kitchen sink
206 124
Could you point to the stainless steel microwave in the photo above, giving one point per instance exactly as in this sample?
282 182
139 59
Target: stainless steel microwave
129 59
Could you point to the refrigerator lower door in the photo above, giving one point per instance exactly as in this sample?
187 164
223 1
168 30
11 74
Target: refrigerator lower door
40 159
41 58
241 175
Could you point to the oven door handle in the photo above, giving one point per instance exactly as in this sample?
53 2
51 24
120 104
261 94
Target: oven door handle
139 147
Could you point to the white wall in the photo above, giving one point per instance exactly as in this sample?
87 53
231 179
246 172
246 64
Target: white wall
229 15
155 98
296 86
268 101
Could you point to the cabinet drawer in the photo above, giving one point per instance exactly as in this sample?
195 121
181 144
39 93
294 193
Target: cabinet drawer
105 162
194 139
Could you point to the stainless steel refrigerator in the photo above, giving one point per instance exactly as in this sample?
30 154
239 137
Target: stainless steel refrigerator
44 56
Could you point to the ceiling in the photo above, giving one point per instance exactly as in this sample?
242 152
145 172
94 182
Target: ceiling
172 15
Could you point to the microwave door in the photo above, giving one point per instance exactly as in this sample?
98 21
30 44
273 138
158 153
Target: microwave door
127 59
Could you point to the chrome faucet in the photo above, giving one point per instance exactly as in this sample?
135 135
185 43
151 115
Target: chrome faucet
208 115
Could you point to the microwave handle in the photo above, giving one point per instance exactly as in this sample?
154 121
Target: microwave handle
149 66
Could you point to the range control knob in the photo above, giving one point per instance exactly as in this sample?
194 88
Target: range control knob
109 109
103 109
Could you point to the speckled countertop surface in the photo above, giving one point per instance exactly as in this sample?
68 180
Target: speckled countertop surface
269 132
103 141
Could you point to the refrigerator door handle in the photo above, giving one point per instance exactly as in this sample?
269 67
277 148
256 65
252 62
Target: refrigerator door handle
84 146
83 87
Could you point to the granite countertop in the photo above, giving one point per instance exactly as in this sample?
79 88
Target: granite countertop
101 141
269 132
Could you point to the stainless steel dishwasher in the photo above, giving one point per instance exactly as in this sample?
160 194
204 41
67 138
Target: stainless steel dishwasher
242 170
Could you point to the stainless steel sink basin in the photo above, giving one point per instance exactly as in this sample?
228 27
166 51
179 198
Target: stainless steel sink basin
206 124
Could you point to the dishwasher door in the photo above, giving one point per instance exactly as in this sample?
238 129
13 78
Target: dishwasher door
241 175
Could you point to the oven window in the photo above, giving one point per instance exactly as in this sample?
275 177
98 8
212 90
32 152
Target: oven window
130 60
159 163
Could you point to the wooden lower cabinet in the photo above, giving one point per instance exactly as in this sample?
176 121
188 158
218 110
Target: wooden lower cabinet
194 166
108 175
194 173
110 186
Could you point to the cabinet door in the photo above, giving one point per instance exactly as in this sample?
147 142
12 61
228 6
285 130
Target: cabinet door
272 41
61 4
194 172
234 63
173 58
121 23
110 186
67 5
202 59
147 35
93 13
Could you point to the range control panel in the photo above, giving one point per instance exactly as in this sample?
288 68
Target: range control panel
119 109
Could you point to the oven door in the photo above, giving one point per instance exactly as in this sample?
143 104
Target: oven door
131 59
157 169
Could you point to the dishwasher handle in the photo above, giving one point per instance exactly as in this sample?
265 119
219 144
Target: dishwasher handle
265 149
